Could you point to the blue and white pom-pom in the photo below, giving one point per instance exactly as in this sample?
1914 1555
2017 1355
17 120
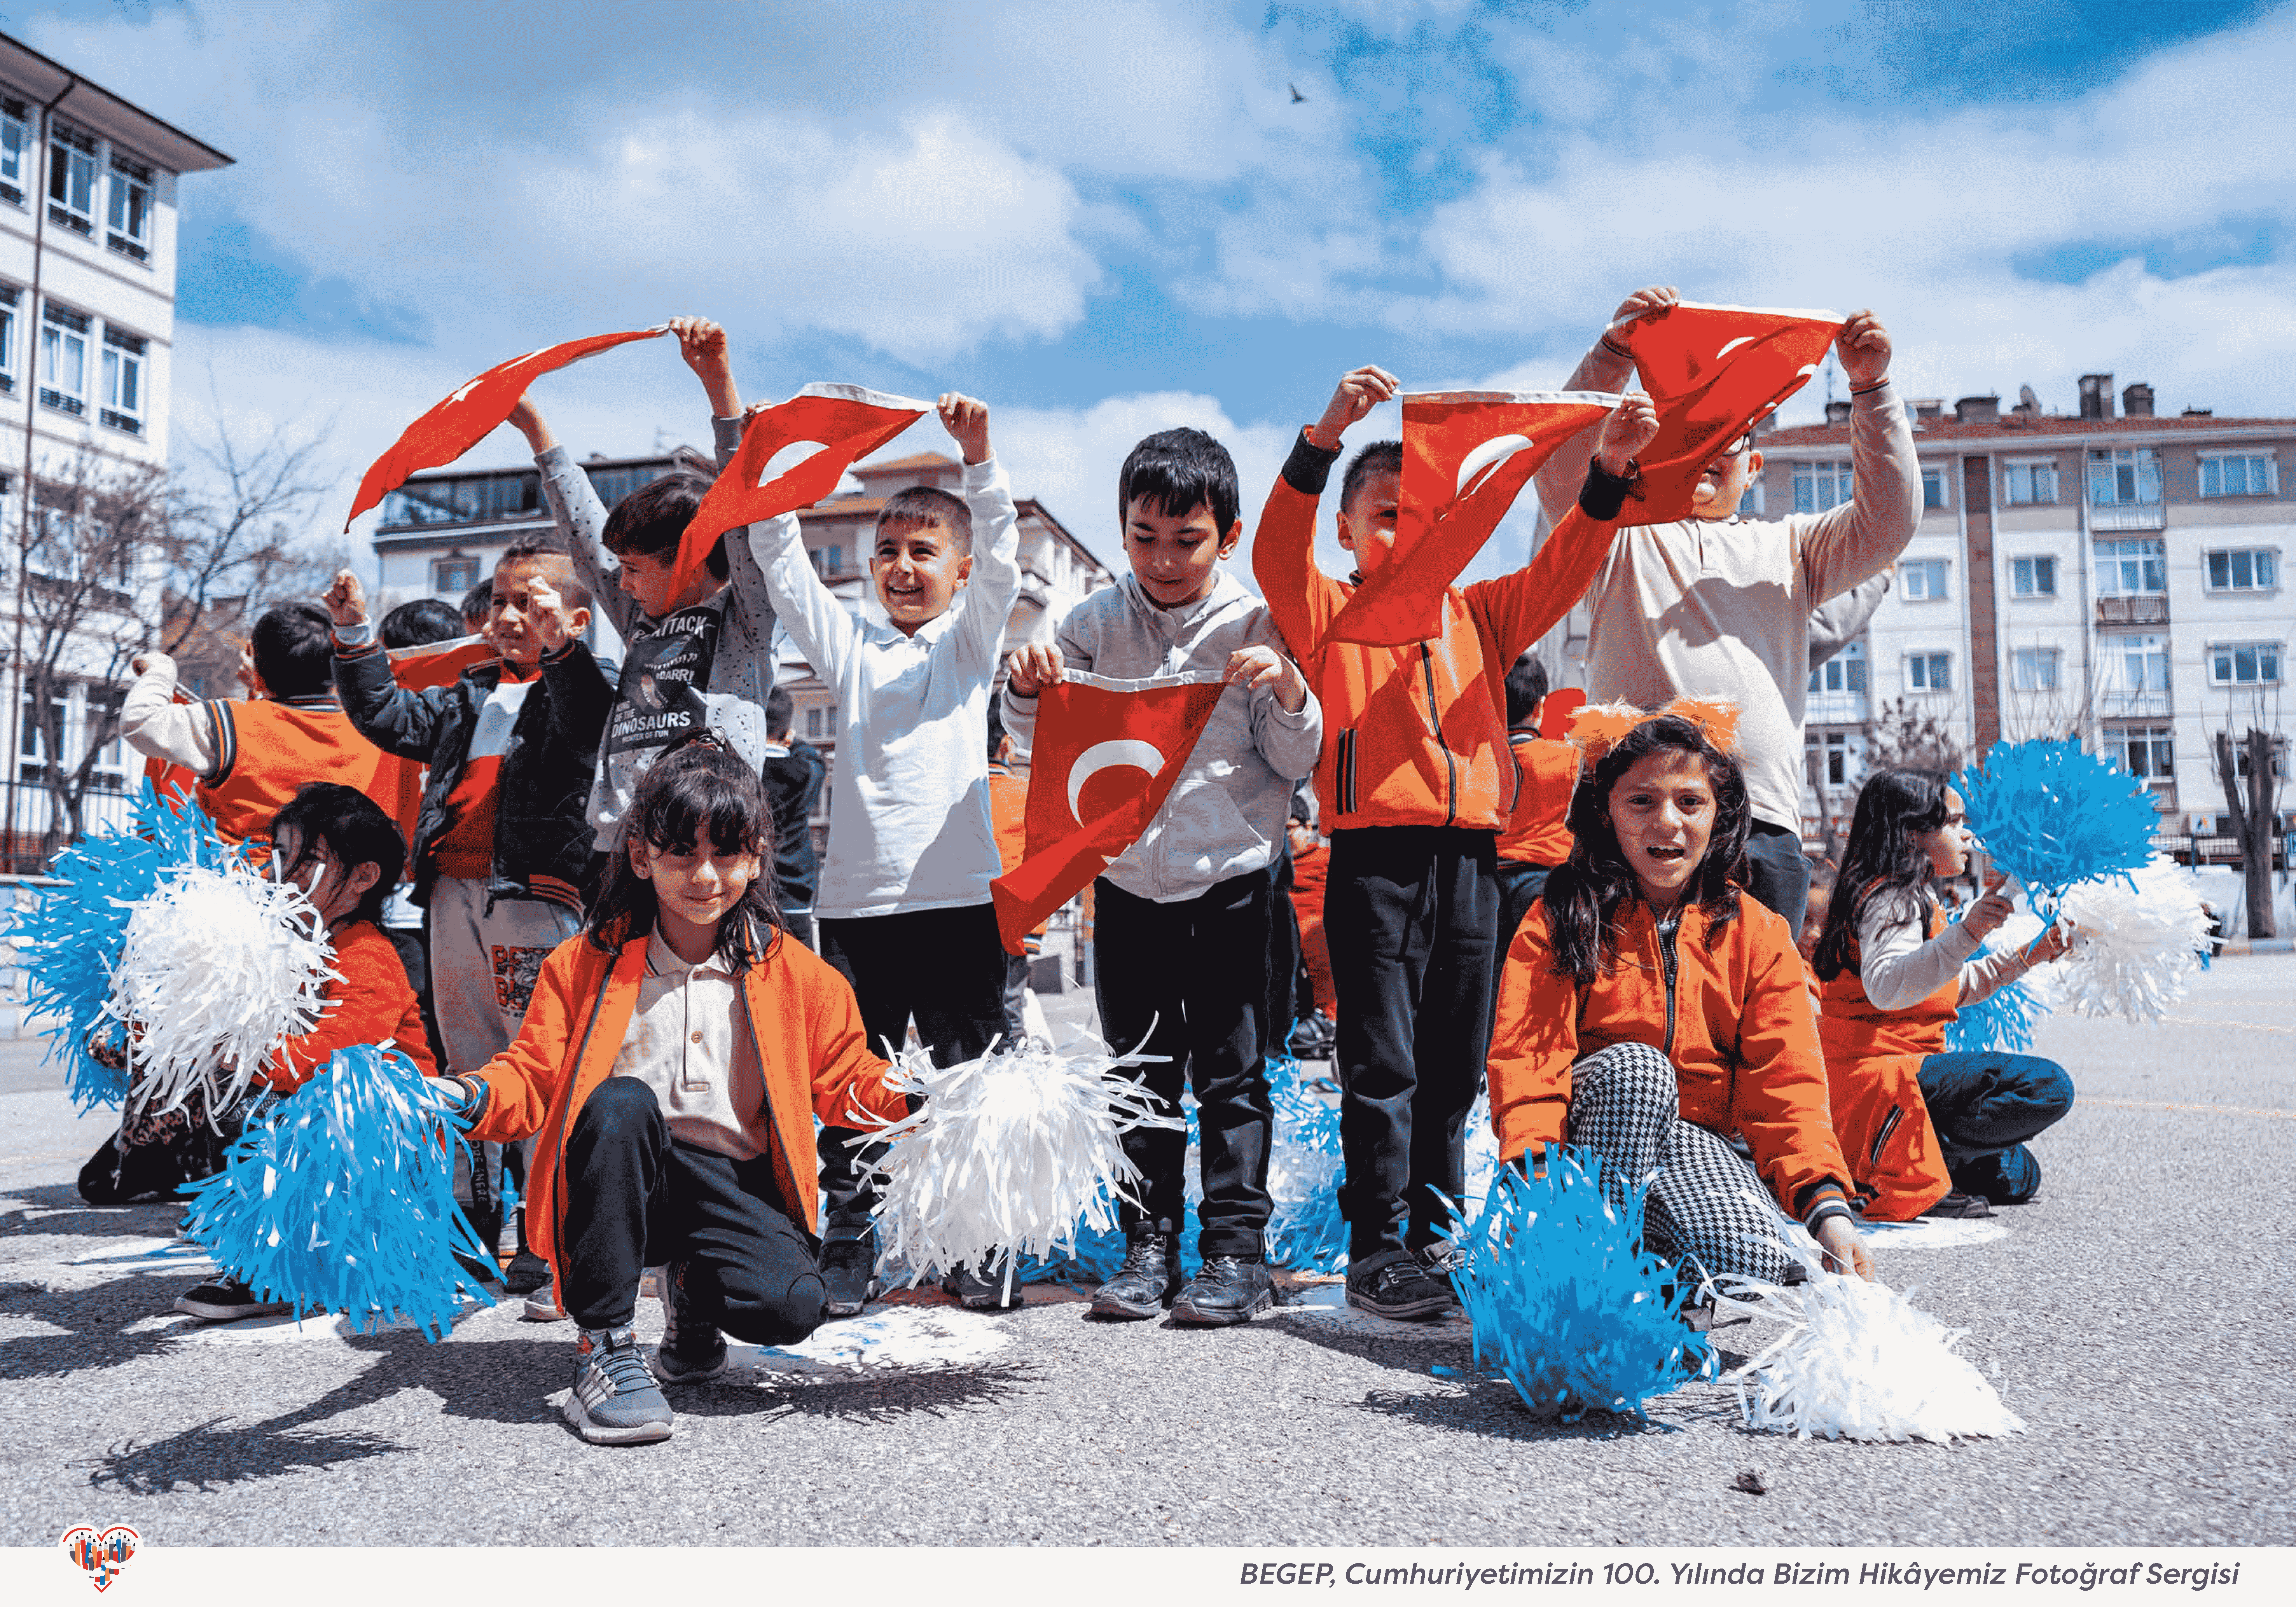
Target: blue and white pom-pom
219 968
340 1197
1567 1304
2136 942
2004 1020
1860 1362
71 937
1305 1230
1017 1151
2051 813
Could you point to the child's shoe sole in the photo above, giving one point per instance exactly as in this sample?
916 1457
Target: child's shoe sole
231 1314
599 1434
667 1371
1408 1312
1184 1311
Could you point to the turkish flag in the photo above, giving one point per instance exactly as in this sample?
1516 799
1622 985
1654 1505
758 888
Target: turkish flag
1714 373
842 423
1466 455
1105 756
473 412
439 663
1555 712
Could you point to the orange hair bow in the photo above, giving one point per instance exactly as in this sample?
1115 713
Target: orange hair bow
1598 727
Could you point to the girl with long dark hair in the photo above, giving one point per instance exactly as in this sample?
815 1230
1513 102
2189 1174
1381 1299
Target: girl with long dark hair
672 1060
1925 1131
1649 1010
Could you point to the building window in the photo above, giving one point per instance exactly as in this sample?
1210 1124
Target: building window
465 501
2241 767
2244 664
2134 663
2032 576
63 358
813 722
31 741
2033 668
1934 486
8 299
2148 752
123 381
452 576
1924 580
15 149
127 219
2238 474
103 703
2244 570
1845 671
1751 500
1828 753
2122 475
71 179
2132 569
1818 486
2025 485
614 483
829 560
1929 672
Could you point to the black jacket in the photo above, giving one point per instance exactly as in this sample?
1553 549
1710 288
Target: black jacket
793 777
542 831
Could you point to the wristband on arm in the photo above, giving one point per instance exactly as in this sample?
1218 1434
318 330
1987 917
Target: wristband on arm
1604 494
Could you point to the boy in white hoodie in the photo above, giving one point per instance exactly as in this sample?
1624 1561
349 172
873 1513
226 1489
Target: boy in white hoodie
1181 918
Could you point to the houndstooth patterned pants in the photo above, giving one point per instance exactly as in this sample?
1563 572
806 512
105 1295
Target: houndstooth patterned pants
1706 1207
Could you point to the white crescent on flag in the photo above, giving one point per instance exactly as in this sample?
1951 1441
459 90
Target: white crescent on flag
1130 753
1491 454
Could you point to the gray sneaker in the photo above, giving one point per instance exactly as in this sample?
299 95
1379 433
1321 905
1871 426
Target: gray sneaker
614 1400
542 1306
691 1352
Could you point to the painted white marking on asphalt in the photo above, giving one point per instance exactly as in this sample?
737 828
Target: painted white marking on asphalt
901 1336
147 1255
1934 1232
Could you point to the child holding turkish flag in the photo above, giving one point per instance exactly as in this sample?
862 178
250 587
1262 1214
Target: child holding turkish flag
1181 928
1415 783
1717 606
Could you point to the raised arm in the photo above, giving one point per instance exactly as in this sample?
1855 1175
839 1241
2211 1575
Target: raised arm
580 517
157 727
995 580
1299 595
815 620
1858 539
1606 365
1835 624
387 714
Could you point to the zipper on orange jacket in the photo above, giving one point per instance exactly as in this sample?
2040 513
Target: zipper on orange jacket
1665 932
1435 719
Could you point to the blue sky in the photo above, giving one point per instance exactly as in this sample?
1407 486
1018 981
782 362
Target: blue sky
1111 217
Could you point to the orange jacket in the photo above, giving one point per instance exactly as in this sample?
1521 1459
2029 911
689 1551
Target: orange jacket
1008 817
1534 833
1736 1023
266 749
1872 1072
803 1019
370 1001
1310 875
1413 736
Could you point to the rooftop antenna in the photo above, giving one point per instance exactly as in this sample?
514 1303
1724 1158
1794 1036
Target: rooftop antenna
1829 379
2027 399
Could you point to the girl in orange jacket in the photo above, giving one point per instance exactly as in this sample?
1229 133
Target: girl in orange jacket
672 1062
1926 1132
1649 1010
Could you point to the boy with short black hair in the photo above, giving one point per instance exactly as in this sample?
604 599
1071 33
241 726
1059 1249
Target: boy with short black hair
1535 840
477 603
793 773
1182 919
903 905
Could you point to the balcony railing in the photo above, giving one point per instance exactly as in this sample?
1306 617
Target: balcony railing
2127 516
2141 609
2120 703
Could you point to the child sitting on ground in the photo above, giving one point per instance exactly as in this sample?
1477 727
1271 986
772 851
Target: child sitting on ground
1650 1010
343 851
903 907
1928 1132
673 1057
1181 928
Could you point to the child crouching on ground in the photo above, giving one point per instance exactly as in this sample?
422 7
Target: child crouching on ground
1181 918
1650 1010
671 1062
343 851
1926 1132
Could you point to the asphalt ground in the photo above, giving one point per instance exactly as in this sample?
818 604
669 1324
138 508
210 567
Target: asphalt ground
2137 1315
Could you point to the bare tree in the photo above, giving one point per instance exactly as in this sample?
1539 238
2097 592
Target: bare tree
2253 800
1908 734
236 523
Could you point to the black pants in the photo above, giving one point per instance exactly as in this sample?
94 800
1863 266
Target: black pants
1016 997
1986 1106
1778 871
636 1198
1198 969
945 969
1283 960
1410 914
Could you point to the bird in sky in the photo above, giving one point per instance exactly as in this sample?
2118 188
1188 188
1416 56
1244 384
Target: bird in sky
1296 97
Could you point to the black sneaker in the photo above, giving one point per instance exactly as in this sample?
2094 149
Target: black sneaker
1147 1282
226 1300
691 1352
848 1277
1229 1288
975 1292
525 1272
614 1400
1957 1204
1393 1284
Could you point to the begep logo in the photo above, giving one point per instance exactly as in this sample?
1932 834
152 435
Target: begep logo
100 1553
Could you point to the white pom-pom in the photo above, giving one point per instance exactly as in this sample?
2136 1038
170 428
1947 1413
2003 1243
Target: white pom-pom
1861 1362
1013 1152
2139 945
219 968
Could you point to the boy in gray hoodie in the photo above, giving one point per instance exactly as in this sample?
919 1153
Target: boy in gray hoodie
1181 920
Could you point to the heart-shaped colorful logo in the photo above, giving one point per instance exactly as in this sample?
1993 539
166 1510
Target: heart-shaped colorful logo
101 1553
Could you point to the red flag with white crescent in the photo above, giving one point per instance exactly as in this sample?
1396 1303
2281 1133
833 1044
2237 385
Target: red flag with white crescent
793 455
1105 756
429 664
473 412
1467 456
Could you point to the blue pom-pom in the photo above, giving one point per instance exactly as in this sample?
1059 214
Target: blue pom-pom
340 1197
72 936
1566 1303
2002 1022
1305 1233
2051 813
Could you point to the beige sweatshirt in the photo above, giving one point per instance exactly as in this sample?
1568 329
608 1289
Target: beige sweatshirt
689 1042
1720 608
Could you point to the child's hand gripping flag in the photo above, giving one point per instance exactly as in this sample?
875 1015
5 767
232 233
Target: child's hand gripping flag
842 423
473 412
1106 756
